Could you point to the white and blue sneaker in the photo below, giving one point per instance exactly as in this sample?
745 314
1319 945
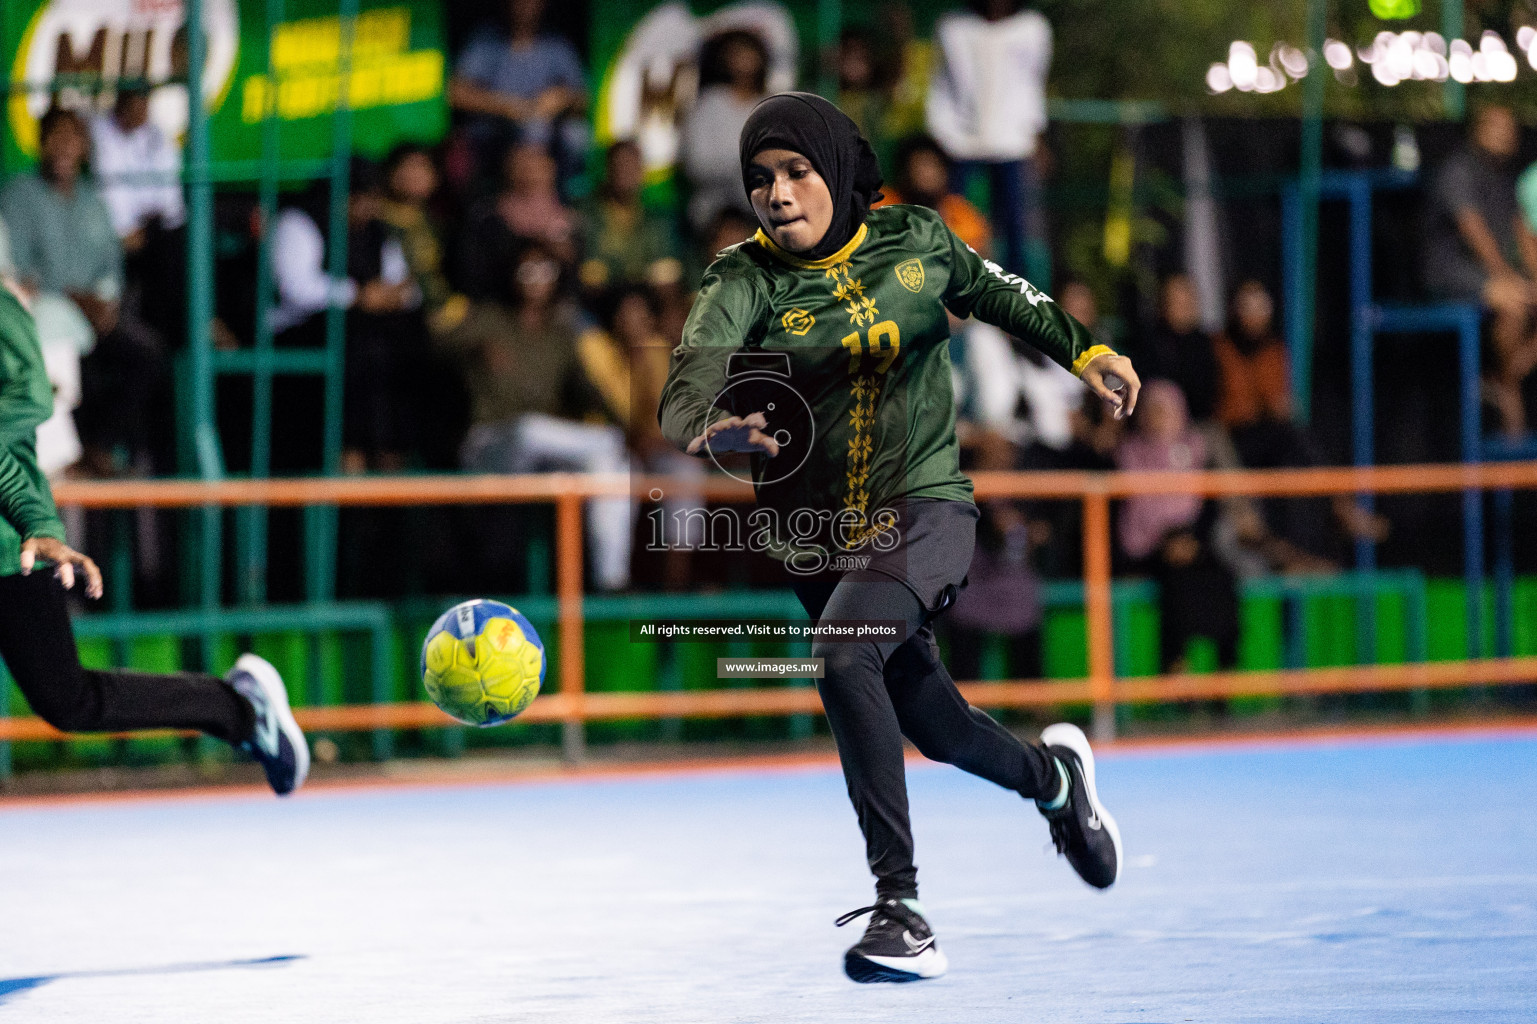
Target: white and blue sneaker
277 741
898 944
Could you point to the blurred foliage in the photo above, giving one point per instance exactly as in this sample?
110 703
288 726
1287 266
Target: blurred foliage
1161 49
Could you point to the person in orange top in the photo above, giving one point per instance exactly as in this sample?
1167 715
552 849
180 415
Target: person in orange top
1254 404
1255 384
923 179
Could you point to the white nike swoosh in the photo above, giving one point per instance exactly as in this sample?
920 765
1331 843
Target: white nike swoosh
914 945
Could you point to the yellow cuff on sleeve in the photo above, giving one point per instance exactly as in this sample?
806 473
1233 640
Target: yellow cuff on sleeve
1089 356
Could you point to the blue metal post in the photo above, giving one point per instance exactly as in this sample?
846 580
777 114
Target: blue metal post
1472 500
1363 391
1298 338
1504 571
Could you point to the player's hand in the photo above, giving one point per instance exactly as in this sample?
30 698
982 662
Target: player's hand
736 434
1111 377
64 559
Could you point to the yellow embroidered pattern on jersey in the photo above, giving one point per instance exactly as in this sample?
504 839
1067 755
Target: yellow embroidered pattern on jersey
847 289
864 390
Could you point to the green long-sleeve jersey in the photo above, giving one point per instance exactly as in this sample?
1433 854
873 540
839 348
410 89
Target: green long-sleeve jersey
26 399
867 342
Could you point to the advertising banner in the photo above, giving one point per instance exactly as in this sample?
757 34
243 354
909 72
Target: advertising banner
394 85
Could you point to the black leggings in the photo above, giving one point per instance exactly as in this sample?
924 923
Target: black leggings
38 646
876 693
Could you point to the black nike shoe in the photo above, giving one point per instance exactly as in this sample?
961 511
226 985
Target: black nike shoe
1083 830
277 742
898 944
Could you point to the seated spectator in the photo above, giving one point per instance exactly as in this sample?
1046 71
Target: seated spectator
522 85
1170 536
1179 351
1478 249
63 242
1003 595
528 397
923 179
1254 405
306 290
386 342
864 90
410 182
127 145
733 76
140 172
1077 300
527 209
626 361
624 243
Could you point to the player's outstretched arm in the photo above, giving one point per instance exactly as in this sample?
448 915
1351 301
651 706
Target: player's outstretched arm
983 289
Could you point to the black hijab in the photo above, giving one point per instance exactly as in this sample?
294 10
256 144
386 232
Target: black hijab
825 136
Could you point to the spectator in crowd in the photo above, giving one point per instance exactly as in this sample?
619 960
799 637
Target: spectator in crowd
733 77
1177 350
623 242
386 345
410 182
864 89
528 209
529 395
728 227
1171 536
522 85
923 179
140 173
1479 249
626 361
909 58
63 244
306 289
1254 406
1077 300
987 108
1003 595
140 170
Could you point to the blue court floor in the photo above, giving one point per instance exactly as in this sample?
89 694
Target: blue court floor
1389 880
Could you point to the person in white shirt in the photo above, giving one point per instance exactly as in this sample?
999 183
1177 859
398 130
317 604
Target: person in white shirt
987 108
139 169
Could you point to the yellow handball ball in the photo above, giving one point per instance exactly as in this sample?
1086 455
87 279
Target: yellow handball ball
482 662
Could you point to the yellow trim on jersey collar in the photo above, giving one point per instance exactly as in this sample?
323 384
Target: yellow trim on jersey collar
821 264
1089 355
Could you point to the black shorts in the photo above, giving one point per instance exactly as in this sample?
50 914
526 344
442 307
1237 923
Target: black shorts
932 553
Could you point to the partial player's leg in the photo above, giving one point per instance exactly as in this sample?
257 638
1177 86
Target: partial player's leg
249 710
945 728
898 944
1058 774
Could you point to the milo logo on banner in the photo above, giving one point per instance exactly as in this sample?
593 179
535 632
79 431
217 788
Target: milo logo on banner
94 43
74 52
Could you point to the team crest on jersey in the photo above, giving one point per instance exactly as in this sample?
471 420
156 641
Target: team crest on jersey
797 321
910 274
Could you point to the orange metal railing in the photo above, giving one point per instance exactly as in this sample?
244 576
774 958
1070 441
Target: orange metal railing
572 705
